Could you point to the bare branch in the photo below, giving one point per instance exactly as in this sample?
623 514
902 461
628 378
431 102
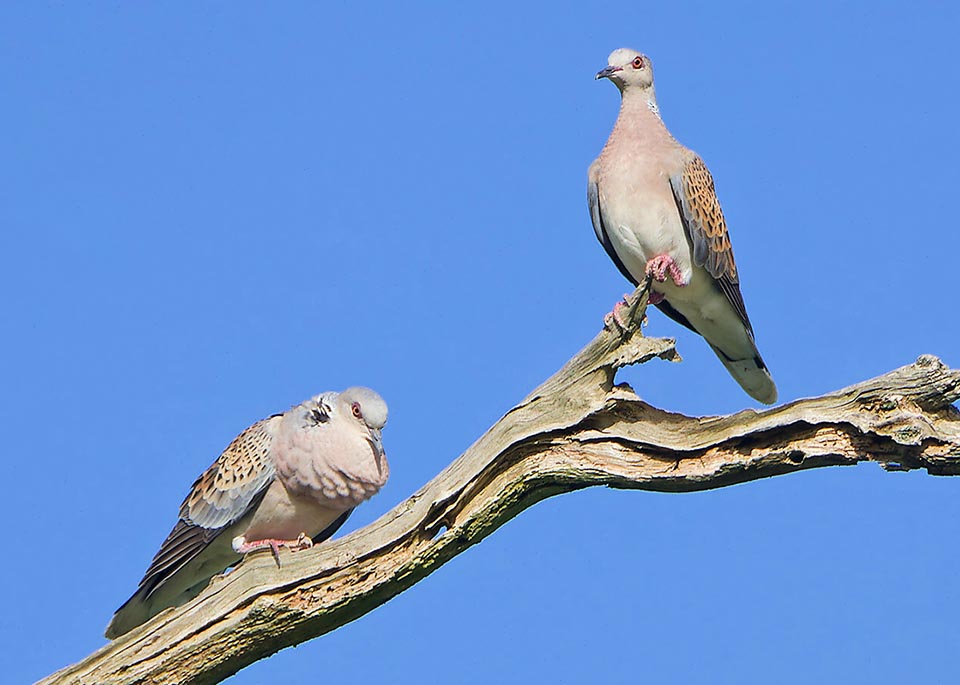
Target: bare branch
574 431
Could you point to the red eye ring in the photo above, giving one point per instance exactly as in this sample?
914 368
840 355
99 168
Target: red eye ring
638 62
355 408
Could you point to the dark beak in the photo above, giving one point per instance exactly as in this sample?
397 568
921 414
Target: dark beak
376 440
608 72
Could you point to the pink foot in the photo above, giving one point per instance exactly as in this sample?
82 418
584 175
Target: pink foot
654 297
241 546
660 266
615 318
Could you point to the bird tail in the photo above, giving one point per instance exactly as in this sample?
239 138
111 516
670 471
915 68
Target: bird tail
145 604
752 375
133 612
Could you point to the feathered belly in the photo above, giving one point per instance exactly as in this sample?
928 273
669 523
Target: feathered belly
283 515
651 229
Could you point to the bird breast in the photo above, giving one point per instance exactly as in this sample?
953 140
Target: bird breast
336 465
641 216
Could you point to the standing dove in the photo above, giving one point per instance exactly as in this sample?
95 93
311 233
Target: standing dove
288 481
654 209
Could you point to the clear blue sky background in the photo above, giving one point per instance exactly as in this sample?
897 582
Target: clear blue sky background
211 211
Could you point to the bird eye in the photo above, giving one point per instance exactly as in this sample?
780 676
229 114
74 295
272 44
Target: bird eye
638 62
355 408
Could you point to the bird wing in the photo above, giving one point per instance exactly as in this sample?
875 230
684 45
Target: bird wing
232 486
699 208
596 216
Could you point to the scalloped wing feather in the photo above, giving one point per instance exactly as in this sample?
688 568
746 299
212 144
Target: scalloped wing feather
696 198
231 487
224 492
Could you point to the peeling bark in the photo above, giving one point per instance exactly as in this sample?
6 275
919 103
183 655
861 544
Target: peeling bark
576 430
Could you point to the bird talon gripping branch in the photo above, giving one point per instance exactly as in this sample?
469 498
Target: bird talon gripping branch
615 319
660 266
302 542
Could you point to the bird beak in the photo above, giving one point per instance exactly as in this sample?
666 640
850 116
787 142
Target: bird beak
376 440
608 72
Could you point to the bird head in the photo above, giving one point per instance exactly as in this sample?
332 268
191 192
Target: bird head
629 70
365 407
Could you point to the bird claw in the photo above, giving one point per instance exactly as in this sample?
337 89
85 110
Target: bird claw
624 310
660 266
241 546
275 548
303 541
614 320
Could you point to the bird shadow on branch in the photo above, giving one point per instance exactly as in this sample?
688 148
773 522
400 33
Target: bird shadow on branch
577 429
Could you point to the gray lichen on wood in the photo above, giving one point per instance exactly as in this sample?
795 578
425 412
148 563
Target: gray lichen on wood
576 430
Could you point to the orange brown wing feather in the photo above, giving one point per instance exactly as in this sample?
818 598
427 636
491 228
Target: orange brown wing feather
232 485
706 227
224 492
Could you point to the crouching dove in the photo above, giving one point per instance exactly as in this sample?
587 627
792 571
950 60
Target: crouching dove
654 209
288 481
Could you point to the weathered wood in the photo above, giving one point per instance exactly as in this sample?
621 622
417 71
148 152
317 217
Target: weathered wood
576 430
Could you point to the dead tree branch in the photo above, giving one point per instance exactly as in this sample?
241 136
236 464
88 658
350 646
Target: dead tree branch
576 430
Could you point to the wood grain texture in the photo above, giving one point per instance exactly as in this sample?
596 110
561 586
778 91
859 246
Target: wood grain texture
576 430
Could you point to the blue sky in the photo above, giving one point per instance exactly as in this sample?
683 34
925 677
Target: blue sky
210 212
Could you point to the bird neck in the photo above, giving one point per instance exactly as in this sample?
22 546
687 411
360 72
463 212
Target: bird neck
639 114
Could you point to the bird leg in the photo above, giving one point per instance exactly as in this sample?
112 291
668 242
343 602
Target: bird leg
615 318
241 546
660 266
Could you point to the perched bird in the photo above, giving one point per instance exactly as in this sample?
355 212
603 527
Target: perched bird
654 209
290 480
